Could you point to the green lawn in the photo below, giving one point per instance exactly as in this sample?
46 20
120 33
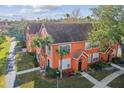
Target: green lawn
33 80
118 82
4 49
24 61
101 74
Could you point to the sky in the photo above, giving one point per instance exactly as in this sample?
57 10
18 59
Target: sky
30 12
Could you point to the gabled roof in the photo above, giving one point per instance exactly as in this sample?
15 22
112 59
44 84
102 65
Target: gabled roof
32 28
68 32
63 32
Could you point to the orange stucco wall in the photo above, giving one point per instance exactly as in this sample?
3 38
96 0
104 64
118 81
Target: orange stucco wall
54 57
74 47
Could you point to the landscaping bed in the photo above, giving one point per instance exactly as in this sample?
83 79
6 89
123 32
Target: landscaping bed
118 82
25 61
34 80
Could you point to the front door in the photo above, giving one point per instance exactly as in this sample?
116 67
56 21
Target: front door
80 65
48 64
108 58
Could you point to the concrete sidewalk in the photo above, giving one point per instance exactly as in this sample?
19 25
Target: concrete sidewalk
108 79
117 66
11 66
90 78
28 71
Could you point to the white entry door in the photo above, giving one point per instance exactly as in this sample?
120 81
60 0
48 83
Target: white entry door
65 63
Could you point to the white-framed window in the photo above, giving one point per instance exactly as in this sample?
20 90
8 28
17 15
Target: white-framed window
49 50
95 57
89 58
65 47
66 63
87 45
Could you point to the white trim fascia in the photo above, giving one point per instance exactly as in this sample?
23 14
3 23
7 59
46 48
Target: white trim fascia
66 43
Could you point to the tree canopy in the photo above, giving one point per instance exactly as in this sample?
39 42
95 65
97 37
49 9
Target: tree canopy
108 26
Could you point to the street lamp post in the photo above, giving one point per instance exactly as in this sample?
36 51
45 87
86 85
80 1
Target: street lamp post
57 78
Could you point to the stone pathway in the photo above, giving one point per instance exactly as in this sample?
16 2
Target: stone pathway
117 66
103 83
11 66
108 79
90 78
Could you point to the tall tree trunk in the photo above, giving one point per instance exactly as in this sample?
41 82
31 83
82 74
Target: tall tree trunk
43 51
61 68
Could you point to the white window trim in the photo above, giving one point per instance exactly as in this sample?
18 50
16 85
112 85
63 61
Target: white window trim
68 67
65 45
98 57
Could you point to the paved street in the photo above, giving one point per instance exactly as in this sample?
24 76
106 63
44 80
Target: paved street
11 66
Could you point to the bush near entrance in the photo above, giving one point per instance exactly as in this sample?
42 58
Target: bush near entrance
99 65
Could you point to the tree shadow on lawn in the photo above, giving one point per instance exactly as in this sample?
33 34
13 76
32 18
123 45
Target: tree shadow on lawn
24 61
26 80
34 80
66 82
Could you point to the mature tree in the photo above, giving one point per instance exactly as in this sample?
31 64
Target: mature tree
67 15
17 29
88 19
2 39
108 27
76 13
62 52
42 43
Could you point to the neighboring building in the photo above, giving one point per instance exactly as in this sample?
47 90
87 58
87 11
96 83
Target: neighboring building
72 37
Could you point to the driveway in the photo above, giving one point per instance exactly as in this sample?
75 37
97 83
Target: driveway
11 65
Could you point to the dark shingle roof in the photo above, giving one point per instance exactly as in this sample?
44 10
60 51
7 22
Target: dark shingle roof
68 32
63 32
33 28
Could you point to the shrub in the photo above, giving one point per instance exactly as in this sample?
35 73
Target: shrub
98 66
34 59
51 73
2 39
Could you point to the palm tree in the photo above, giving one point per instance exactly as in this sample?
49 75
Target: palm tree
62 53
42 43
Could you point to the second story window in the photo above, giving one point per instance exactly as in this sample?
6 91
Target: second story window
65 47
87 45
49 50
